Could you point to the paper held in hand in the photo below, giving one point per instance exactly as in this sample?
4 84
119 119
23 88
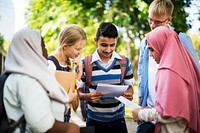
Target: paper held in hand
111 90
128 102
66 79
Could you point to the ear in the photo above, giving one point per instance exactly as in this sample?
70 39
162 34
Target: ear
95 40
64 46
170 19
116 40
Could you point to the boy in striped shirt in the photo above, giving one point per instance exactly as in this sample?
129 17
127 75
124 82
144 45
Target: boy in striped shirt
106 113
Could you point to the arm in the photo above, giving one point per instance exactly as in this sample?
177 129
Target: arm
129 80
187 42
129 93
38 112
84 93
150 114
141 71
61 127
51 67
92 96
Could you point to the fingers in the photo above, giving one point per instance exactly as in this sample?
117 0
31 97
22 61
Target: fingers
129 96
94 96
72 96
135 114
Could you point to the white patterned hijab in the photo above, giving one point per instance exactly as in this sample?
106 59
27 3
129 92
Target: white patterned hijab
25 57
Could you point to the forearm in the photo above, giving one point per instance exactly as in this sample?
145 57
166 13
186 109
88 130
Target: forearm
61 127
84 96
153 115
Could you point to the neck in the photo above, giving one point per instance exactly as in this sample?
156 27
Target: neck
61 58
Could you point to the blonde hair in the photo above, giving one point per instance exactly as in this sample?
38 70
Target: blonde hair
71 34
161 8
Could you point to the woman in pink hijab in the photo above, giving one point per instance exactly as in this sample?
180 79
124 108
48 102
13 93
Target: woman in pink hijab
177 106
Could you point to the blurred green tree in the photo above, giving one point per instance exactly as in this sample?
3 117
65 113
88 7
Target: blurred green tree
129 16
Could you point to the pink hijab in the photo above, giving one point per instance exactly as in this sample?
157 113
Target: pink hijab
177 79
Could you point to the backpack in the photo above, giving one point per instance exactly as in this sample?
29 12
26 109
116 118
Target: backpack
88 70
5 126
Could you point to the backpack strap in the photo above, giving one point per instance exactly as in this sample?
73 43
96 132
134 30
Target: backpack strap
5 125
55 61
177 31
3 78
88 69
123 66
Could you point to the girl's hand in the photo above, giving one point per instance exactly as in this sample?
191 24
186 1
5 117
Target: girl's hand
79 67
72 96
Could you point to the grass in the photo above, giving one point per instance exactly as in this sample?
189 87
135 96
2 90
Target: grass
128 110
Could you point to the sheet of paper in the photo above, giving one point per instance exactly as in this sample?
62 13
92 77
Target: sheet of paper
127 102
111 90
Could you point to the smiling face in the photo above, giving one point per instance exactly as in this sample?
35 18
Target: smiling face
106 46
74 51
153 54
71 39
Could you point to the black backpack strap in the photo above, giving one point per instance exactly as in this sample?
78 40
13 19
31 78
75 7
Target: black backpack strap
21 123
55 61
6 126
3 78
177 31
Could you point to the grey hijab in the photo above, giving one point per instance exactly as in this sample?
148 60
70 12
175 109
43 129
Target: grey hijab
25 57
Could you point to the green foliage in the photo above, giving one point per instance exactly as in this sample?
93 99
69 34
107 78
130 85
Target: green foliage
50 16
1 40
129 15
3 45
196 41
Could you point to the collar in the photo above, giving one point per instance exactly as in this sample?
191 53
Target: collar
96 57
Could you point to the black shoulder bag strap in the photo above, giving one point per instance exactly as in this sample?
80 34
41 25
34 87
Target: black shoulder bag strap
177 31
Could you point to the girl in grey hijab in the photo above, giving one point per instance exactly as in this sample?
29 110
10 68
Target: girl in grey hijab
31 90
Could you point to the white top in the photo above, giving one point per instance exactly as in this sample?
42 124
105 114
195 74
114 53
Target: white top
25 94
152 69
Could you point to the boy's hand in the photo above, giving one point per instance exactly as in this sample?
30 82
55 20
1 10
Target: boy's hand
94 96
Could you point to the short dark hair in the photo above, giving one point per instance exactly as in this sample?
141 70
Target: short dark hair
107 29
